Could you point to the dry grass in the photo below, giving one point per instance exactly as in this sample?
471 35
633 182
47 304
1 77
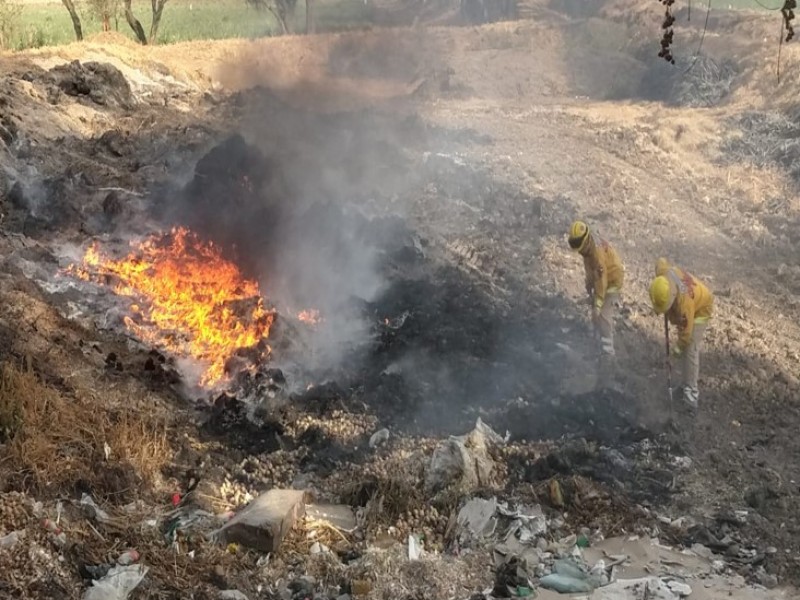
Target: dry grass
768 139
52 441
388 574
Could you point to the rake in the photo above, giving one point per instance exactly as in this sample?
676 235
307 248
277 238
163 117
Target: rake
669 368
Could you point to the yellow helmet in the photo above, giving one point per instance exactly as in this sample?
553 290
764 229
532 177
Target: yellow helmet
578 235
662 266
661 294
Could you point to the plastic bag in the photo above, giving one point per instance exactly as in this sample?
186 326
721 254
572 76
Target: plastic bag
117 584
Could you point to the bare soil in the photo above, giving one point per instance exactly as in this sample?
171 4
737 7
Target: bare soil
487 142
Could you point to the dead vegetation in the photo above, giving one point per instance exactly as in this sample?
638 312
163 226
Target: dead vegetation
53 441
766 139
702 81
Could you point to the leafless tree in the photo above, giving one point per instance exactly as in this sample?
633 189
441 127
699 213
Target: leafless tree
158 10
105 10
311 24
76 20
157 7
282 10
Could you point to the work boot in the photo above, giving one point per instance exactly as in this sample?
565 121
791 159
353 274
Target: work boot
607 346
606 370
691 396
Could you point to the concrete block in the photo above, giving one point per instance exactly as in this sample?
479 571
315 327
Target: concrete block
264 522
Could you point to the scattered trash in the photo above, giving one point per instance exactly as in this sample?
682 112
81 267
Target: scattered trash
463 460
378 438
92 511
338 516
527 522
117 584
184 519
565 584
599 574
97 571
556 495
8 541
568 578
317 548
651 588
476 519
510 577
414 548
58 537
128 558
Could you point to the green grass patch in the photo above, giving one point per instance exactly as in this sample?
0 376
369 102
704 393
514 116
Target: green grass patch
48 24
183 20
751 4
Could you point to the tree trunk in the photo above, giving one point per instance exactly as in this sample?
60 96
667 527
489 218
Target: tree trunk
158 10
311 25
281 19
134 23
287 8
76 20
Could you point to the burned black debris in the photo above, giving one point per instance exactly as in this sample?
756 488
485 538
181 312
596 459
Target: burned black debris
100 83
439 347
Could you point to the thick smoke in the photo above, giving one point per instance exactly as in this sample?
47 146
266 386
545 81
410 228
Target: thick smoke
295 196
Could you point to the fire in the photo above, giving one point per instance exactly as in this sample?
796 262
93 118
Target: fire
310 316
187 298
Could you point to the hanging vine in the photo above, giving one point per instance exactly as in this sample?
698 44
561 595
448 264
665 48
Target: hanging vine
788 16
787 10
666 40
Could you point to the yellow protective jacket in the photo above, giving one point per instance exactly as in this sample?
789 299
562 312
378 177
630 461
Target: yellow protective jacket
604 270
693 303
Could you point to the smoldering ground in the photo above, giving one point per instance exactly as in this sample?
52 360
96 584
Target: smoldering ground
425 346
293 192
312 201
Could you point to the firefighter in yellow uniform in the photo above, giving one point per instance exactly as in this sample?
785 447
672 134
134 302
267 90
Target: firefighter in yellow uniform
688 304
604 276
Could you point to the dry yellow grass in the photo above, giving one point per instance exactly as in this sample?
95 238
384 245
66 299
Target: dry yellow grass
52 441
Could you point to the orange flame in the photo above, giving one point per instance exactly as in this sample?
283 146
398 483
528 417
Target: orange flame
188 298
310 316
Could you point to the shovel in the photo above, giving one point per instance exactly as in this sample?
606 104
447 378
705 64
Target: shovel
669 370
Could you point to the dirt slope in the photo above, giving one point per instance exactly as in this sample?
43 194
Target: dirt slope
568 115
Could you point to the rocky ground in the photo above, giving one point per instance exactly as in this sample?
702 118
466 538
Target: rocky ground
453 159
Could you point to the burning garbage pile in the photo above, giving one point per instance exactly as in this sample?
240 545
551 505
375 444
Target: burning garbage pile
407 514
186 299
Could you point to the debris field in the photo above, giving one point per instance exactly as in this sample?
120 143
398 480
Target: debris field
288 319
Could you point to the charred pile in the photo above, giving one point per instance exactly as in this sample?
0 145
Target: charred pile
435 348
328 348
